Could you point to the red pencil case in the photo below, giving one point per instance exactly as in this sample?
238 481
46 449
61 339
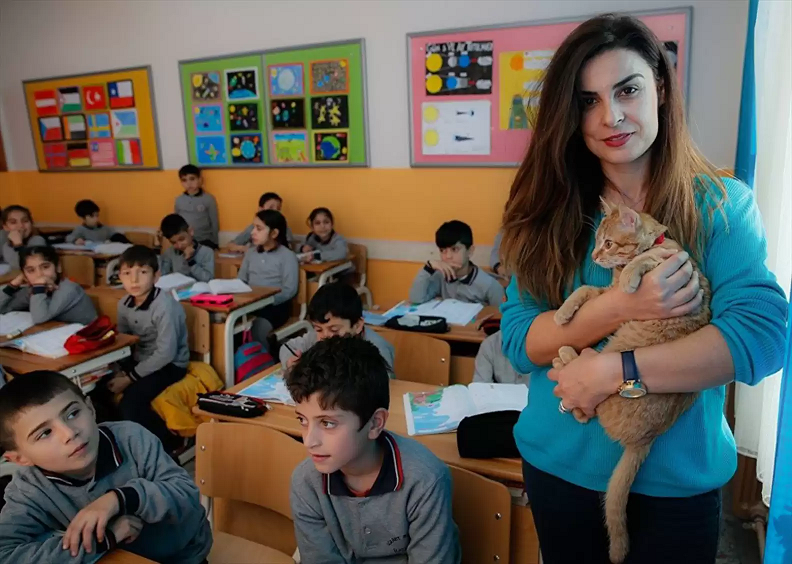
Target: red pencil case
212 299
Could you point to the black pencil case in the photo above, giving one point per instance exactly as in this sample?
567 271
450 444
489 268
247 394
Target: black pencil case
488 435
418 323
232 405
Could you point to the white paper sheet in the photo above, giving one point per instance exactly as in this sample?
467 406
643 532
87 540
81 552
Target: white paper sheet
14 322
456 128
47 343
174 281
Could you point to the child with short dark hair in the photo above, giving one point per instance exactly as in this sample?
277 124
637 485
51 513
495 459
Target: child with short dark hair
18 225
267 201
323 240
40 290
82 489
197 206
185 255
335 310
91 228
365 495
454 276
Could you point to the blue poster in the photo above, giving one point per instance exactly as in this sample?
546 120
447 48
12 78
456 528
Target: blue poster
211 151
208 119
286 80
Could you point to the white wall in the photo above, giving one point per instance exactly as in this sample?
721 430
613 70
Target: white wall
50 38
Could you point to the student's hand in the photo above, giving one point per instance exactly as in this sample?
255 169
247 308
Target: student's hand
126 528
445 268
306 249
18 281
79 241
293 360
189 252
91 520
15 237
118 383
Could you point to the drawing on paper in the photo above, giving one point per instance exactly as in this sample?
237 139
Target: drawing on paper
330 112
456 128
125 124
286 80
50 129
288 113
46 103
55 155
459 67
211 150
205 86
329 77
121 93
243 117
246 148
78 155
98 125
69 99
290 146
94 97
74 127
208 119
242 84
102 153
331 146
128 152
521 74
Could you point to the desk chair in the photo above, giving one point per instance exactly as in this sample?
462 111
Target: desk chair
79 268
297 322
140 238
419 358
482 511
360 252
245 472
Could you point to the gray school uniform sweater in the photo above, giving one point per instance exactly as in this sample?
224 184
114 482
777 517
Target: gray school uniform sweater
68 303
132 463
200 266
476 287
304 342
244 238
3 237
11 253
200 213
495 254
161 325
278 268
492 366
98 234
335 248
405 517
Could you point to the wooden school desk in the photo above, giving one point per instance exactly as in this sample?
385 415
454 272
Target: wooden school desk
119 556
225 265
9 276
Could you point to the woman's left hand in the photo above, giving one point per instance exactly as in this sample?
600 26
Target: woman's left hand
587 381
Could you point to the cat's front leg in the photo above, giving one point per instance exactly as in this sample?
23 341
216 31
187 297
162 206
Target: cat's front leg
630 277
574 302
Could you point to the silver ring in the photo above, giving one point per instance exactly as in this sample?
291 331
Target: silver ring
561 407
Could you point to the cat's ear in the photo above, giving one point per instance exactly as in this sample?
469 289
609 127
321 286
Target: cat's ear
629 217
607 208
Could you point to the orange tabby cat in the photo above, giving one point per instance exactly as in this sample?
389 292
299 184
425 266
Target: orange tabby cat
631 243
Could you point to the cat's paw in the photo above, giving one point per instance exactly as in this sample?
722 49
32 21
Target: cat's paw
579 416
567 354
565 313
629 281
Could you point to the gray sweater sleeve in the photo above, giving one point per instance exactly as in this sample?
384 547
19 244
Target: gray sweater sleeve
335 249
12 299
211 209
426 286
202 264
244 237
11 255
166 262
164 317
244 270
298 344
122 324
495 254
432 531
484 370
75 234
44 307
314 539
291 279
495 293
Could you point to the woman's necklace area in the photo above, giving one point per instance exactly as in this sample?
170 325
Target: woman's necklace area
631 203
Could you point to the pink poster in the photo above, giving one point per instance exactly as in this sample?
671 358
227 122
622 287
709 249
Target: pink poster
471 91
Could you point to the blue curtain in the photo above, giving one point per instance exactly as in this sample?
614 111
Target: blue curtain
745 163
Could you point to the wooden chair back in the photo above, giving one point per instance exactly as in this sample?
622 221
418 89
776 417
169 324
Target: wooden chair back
360 260
198 329
300 301
140 238
106 305
482 511
79 268
419 358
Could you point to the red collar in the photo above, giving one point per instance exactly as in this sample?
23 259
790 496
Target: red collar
659 240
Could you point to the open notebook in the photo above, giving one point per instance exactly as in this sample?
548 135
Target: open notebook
454 312
14 323
440 411
46 343
216 286
270 388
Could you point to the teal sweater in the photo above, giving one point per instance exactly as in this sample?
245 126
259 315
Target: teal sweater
698 453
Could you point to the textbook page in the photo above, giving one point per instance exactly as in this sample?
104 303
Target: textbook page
174 281
270 388
15 322
48 344
498 397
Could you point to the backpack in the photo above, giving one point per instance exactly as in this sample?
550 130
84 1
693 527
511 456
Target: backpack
251 358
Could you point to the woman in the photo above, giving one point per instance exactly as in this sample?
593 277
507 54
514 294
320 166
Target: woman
611 124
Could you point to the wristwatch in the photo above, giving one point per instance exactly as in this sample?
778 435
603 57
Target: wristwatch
632 387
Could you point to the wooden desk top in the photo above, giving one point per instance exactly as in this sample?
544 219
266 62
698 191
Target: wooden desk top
310 268
87 253
119 556
8 276
235 260
282 418
469 333
240 300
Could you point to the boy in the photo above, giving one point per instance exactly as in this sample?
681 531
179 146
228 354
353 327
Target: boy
335 310
365 495
268 201
454 276
18 225
82 489
161 355
493 367
185 255
199 208
91 228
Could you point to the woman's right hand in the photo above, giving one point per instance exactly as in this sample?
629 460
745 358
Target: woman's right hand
670 290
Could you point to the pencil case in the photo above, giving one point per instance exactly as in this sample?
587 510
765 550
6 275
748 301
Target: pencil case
232 405
488 435
212 299
418 323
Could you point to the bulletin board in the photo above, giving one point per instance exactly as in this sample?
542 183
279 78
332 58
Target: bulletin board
299 107
472 90
94 122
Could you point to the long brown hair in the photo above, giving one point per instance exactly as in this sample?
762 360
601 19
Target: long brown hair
549 216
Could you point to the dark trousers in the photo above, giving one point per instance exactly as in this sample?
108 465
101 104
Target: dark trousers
571 525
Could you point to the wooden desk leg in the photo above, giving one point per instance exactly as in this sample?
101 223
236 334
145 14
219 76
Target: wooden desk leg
218 348
523 540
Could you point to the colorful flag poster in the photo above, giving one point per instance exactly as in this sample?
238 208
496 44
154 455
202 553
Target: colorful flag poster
102 153
74 127
46 103
50 129
55 155
128 152
95 97
69 99
125 124
99 125
78 155
121 94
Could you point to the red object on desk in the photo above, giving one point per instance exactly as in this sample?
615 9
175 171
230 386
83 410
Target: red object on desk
211 299
99 333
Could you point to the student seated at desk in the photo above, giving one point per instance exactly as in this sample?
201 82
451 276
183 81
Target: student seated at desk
271 263
197 207
83 489
268 201
185 255
47 296
18 225
493 367
495 260
91 228
323 241
161 355
360 478
454 276
335 310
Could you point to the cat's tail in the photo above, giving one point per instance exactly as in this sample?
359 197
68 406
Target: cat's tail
616 499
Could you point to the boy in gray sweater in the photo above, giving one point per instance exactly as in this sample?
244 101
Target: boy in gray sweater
198 207
492 366
454 276
92 229
18 225
365 496
185 255
82 489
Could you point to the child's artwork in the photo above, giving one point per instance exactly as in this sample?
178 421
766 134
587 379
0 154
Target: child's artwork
290 146
242 84
459 67
45 102
331 146
125 124
205 86
99 125
456 128
102 153
78 155
243 117
208 119
329 77
270 388
288 113
246 148
128 152
55 155
286 80
211 151
122 94
521 73
50 129
69 99
94 97
74 127
330 112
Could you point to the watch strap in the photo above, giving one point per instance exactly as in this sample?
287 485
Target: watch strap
629 367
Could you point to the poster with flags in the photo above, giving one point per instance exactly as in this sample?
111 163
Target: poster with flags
125 124
122 94
128 152
69 99
102 153
74 127
55 155
50 129
46 103
94 97
78 155
99 125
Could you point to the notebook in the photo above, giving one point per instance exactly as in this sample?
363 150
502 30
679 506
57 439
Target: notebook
111 248
46 343
87 246
217 286
270 388
440 411
174 281
14 323
454 312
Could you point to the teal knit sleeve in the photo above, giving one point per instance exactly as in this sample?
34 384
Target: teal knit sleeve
519 313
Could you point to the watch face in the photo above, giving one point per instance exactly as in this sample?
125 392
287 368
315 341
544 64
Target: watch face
632 392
